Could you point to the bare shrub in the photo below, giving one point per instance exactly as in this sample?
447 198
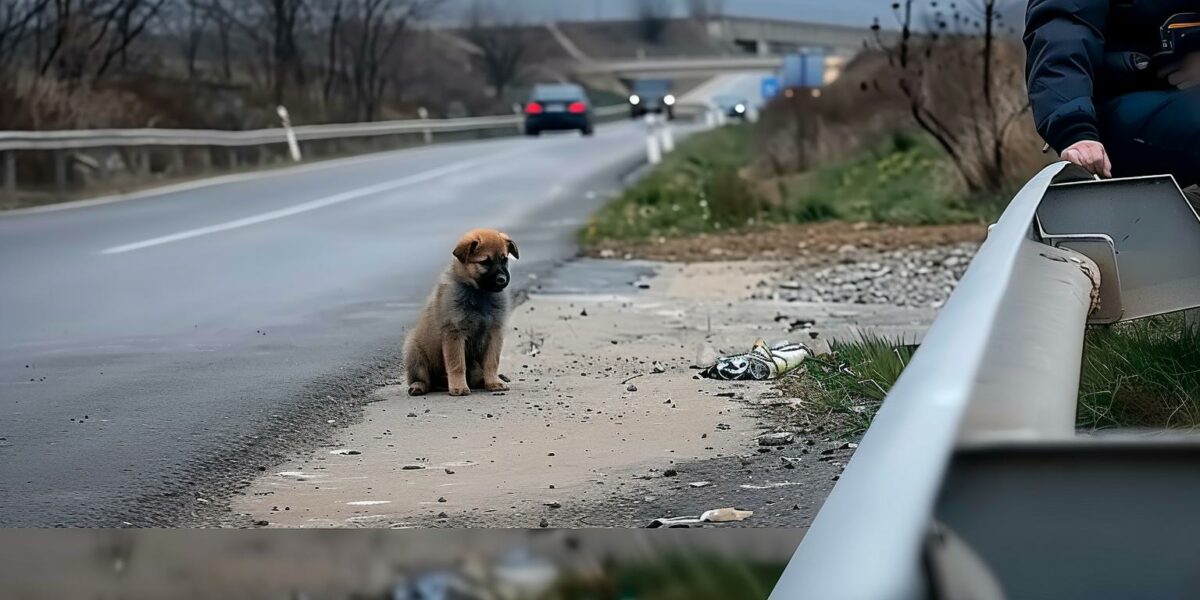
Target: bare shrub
964 87
963 82
804 132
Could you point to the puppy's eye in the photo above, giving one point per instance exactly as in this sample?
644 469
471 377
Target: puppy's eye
487 262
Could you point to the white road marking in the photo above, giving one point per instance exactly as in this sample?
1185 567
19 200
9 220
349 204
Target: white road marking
306 206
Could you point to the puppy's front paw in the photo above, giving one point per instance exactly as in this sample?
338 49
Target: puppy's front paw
496 386
417 388
460 391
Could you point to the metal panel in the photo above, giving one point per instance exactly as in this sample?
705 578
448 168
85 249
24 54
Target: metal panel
866 542
1091 519
1154 229
1102 251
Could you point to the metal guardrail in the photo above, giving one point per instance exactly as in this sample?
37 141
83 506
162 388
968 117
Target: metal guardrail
1000 364
61 142
106 138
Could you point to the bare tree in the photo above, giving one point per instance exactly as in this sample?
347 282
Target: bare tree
365 47
89 35
18 21
271 27
971 118
653 17
502 41
186 23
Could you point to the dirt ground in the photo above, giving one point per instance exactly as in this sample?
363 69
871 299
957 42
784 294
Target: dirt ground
606 424
810 243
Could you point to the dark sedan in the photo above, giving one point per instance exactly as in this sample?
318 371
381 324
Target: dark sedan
557 107
651 96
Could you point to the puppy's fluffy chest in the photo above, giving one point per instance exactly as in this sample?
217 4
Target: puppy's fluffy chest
473 310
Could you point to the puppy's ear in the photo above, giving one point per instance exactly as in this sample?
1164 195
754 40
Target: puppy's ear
465 248
512 246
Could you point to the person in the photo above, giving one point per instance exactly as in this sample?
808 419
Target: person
1106 95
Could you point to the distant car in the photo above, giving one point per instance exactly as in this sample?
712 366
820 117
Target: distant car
651 96
735 107
557 107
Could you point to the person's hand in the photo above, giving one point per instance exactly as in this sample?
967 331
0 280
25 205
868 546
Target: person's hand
1183 73
1089 155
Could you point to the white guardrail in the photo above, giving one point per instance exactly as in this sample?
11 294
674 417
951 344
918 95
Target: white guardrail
106 138
999 366
13 142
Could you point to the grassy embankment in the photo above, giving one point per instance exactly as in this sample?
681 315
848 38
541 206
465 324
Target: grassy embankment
1144 374
705 187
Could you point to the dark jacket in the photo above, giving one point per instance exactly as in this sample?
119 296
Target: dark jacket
1081 51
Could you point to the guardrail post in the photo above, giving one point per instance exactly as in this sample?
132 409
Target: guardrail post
424 114
10 175
104 168
205 158
177 160
233 159
293 144
517 110
653 150
60 170
143 158
667 136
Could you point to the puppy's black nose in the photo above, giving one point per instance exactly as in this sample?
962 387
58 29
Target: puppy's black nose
501 280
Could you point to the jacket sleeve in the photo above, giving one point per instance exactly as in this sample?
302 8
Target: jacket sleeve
1064 40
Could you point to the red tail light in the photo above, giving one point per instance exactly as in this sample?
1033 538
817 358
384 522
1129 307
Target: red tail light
533 108
577 107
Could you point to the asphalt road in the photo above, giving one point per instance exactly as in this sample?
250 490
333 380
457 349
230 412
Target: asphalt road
154 350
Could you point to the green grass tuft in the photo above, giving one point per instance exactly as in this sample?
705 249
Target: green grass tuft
702 188
904 181
677 577
843 390
1143 374
697 189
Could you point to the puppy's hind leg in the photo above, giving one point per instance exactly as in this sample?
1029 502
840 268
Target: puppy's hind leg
418 373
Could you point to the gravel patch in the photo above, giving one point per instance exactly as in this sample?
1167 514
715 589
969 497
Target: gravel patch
910 277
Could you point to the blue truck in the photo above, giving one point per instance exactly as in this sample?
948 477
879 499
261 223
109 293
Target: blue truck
803 71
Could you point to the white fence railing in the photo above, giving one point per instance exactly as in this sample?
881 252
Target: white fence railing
13 142
107 138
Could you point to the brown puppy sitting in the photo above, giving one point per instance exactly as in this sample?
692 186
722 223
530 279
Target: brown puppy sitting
458 338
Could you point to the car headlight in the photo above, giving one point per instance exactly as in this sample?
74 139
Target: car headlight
635 100
669 100
741 108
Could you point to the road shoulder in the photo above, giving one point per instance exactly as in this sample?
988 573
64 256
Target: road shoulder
590 434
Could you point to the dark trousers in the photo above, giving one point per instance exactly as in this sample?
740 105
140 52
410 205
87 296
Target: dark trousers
1153 133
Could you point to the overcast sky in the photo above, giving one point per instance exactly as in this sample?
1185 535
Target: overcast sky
845 12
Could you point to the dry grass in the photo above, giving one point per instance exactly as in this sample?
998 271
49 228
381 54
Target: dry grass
866 105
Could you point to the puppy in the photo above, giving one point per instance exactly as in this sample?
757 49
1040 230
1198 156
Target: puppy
456 343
